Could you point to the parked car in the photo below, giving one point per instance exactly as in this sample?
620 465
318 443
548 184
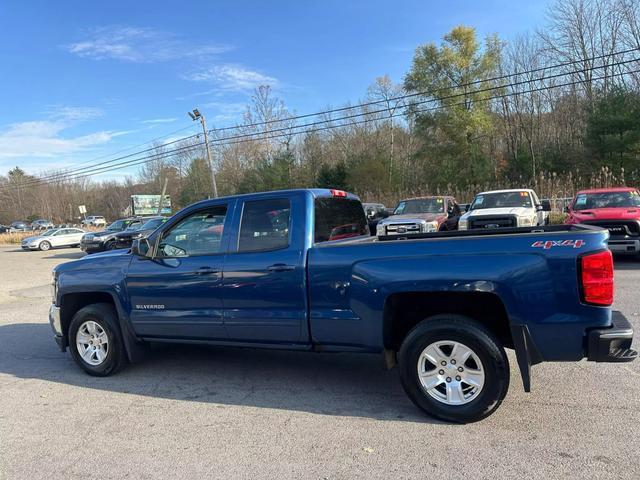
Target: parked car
42 225
18 226
375 212
94 221
421 215
125 239
616 209
3 228
93 242
506 209
443 306
54 238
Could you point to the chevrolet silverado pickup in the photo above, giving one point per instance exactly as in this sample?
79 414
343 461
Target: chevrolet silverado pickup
616 209
298 270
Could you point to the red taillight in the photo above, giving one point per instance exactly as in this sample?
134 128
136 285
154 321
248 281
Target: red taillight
597 278
338 193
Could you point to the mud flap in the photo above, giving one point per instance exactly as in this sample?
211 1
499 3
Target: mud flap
526 353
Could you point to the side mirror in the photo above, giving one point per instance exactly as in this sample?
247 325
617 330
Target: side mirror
546 205
467 207
141 247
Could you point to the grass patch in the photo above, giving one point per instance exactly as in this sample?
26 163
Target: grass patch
557 218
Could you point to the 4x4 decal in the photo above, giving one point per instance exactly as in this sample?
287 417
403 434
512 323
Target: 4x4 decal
547 244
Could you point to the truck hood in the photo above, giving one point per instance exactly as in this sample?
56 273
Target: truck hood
133 233
103 233
429 217
517 211
624 213
96 262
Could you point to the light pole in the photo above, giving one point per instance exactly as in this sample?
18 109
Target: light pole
195 114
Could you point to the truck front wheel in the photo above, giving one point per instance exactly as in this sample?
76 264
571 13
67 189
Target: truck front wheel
95 340
454 368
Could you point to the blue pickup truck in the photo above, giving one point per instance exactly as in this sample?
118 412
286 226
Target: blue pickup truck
298 270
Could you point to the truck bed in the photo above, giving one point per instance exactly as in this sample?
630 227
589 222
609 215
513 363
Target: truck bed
533 271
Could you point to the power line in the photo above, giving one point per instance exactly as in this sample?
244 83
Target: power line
169 134
148 159
431 92
93 170
330 127
376 102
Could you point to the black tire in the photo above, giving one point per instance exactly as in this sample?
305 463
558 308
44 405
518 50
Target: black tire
44 246
475 336
105 316
110 245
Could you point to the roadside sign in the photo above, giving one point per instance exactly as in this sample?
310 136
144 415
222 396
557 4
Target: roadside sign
82 208
148 204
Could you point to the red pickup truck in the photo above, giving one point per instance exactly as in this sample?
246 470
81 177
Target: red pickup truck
616 209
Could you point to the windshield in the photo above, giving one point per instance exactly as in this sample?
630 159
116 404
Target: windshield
423 205
502 200
117 225
586 201
134 226
152 224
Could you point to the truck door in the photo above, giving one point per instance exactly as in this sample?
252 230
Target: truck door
177 294
264 289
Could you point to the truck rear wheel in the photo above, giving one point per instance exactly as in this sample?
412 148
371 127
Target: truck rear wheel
454 369
95 340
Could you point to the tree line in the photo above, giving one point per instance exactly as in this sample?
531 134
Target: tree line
557 109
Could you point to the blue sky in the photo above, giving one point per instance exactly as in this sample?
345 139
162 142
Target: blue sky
81 80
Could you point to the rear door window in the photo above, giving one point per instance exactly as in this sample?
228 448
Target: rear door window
337 218
265 225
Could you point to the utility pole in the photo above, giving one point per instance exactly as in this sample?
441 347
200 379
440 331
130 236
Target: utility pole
195 114
164 190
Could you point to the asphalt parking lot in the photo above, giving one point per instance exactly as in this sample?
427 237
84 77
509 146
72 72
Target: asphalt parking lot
218 412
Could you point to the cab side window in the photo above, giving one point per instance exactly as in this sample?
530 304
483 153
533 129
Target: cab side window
265 225
198 234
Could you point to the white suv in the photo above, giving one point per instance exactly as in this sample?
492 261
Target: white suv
506 209
95 221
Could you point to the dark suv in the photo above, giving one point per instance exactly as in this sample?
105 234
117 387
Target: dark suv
125 239
106 239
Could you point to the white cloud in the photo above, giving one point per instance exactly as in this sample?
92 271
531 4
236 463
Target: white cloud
73 114
160 120
232 77
45 138
140 45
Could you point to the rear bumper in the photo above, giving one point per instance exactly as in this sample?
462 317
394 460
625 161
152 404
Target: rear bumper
612 344
624 246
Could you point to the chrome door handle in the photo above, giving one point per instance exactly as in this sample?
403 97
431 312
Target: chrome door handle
207 271
281 267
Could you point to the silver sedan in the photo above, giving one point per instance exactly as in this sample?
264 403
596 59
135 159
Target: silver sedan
54 238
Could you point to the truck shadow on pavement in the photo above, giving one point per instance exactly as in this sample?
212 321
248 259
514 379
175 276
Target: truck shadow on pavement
73 255
327 384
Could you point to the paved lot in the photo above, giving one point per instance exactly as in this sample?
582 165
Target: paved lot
220 413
